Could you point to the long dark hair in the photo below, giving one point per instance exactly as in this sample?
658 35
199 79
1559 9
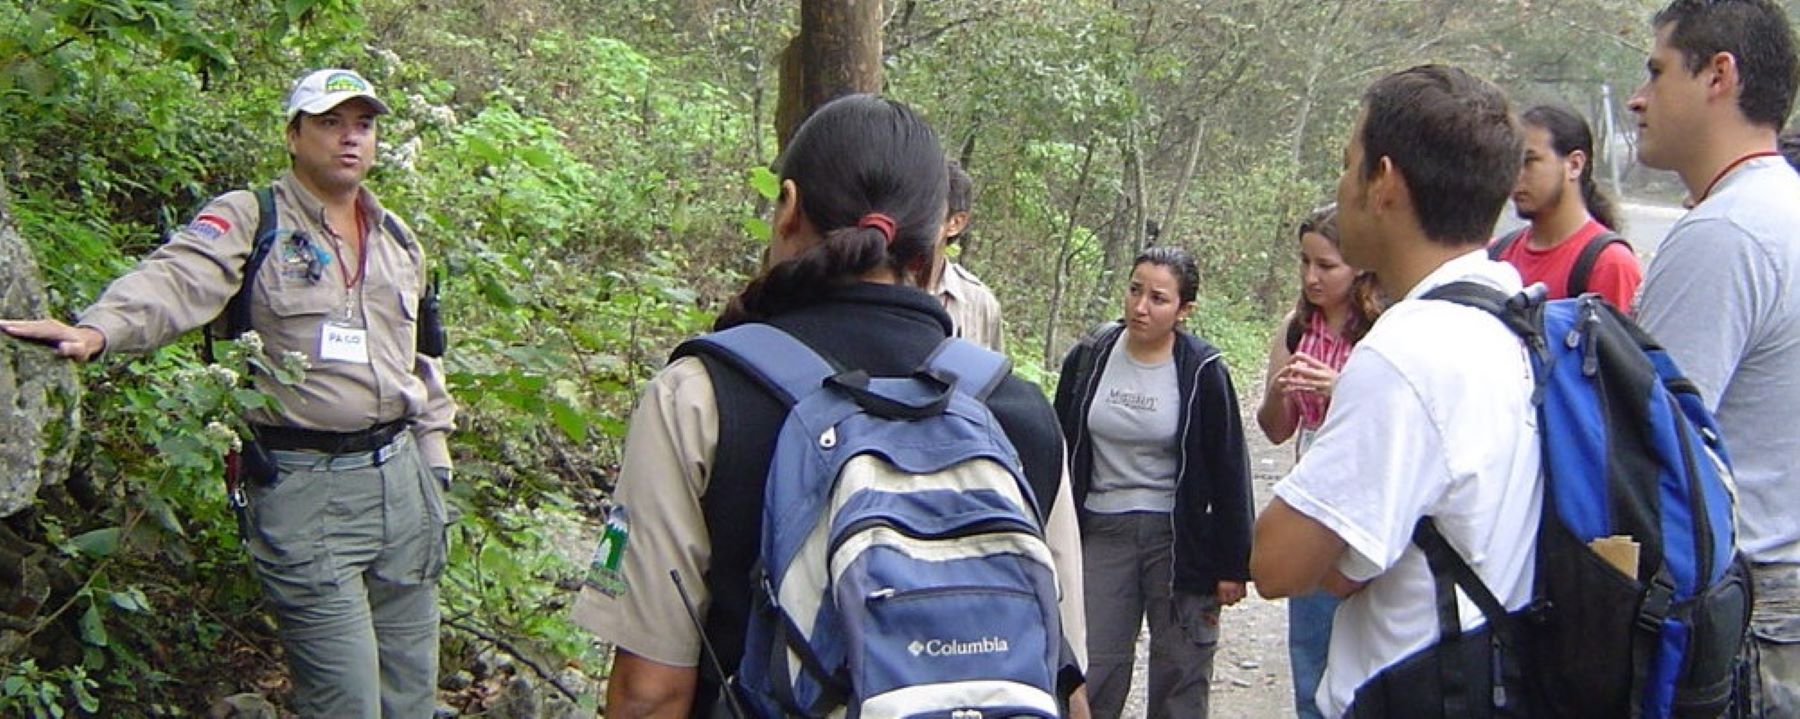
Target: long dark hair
1365 296
1568 133
1180 263
856 155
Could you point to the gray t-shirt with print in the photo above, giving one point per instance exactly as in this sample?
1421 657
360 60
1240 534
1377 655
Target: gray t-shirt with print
1133 420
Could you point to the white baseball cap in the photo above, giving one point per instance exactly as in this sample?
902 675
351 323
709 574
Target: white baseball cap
322 90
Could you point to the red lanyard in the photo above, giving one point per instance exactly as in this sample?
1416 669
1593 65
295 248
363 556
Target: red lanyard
1728 168
362 253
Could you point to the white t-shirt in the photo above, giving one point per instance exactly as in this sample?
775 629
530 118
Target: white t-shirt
1431 416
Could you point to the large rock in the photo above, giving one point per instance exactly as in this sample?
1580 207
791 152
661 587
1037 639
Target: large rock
39 393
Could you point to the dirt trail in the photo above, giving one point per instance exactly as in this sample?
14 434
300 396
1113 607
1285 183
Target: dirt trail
1250 673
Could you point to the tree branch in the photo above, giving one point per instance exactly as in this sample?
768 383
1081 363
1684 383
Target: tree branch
510 648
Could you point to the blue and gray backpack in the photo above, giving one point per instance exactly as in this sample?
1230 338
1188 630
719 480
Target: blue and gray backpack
1632 464
904 570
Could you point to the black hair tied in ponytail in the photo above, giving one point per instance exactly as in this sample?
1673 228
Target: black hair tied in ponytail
871 178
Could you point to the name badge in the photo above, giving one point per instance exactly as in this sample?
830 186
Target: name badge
1305 440
344 344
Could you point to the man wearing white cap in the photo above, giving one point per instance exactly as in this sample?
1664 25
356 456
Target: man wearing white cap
342 502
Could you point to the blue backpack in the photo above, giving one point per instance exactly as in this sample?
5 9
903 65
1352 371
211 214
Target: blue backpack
904 570
1632 463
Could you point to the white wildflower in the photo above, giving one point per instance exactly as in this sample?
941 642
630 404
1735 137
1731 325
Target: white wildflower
296 360
223 375
225 435
442 115
252 342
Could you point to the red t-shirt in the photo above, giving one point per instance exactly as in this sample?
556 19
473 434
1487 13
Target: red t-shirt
1616 273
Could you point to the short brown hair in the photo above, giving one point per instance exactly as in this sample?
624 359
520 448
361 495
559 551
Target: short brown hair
1453 138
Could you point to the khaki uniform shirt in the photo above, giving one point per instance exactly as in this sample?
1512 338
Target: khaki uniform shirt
972 307
668 456
186 283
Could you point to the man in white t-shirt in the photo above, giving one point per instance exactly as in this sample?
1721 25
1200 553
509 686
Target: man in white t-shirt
1432 415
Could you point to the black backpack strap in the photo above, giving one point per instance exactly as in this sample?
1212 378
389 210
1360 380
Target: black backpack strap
1590 255
237 311
1089 345
1506 241
1519 312
392 226
1449 571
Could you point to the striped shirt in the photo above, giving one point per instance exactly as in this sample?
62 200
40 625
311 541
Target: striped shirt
1325 345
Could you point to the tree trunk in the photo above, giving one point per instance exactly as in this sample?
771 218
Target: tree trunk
838 53
1314 68
789 105
1181 184
1064 257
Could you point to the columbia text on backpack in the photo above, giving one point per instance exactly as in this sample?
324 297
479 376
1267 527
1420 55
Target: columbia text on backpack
1633 468
903 568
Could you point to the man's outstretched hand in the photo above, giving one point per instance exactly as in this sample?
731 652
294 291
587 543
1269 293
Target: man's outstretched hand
76 343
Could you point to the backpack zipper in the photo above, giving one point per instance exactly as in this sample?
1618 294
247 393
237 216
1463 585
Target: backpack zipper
886 594
991 525
1703 544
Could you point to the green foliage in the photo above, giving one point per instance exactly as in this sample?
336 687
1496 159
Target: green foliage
578 171
27 691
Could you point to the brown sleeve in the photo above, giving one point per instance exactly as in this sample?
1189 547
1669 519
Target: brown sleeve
668 452
432 426
185 283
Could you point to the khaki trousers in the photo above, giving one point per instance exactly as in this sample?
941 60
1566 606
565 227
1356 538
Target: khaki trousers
349 549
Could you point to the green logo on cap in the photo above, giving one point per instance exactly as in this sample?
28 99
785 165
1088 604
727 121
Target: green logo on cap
345 82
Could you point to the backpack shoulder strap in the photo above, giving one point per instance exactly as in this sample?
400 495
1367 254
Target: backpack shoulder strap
1089 347
392 225
1506 241
971 368
775 359
1590 255
1449 571
237 310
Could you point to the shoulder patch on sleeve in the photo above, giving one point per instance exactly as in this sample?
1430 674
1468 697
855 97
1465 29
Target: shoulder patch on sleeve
209 226
604 573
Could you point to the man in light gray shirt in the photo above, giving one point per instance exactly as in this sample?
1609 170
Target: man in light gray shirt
1721 294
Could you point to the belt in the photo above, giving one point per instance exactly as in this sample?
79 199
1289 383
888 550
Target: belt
295 439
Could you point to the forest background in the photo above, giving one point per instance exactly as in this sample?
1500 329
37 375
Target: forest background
592 177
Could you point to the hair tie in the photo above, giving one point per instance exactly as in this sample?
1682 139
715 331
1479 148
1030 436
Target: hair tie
880 222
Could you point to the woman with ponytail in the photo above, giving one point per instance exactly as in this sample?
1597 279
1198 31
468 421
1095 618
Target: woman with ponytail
855 231
1571 245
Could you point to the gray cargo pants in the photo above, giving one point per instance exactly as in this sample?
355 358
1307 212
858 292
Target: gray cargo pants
349 551
1775 623
1129 578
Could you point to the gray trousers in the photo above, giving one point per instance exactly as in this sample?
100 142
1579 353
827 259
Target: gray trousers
349 553
1775 624
1129 578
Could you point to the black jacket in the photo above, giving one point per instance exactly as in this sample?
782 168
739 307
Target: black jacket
1212 484
888 331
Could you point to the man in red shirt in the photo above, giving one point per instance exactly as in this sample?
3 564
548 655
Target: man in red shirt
1568 245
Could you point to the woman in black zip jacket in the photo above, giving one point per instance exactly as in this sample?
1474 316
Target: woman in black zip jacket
1161 481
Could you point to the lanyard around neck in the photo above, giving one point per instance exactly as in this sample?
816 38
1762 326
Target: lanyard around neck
1728 168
